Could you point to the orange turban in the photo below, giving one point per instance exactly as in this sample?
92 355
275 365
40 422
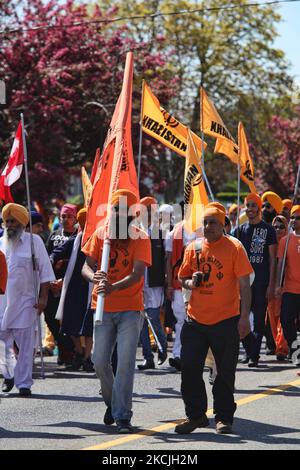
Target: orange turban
216 213
232 208
254 198
274 200
216 205
287 203
131 197
148 201
81 217
294 211
18 212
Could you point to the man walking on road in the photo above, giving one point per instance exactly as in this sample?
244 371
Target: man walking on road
213 320
122 321
18 307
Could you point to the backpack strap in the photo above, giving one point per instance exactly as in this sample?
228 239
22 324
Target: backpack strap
198 250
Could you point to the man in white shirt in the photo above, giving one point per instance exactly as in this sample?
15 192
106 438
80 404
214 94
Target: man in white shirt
18 307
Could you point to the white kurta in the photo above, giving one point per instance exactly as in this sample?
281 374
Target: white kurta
17 305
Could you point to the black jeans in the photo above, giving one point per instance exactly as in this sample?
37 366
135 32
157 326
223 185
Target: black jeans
223 339
259 303
290 310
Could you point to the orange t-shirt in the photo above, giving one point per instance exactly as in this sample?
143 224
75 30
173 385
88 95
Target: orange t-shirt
292 270
223 262
3 273
123 253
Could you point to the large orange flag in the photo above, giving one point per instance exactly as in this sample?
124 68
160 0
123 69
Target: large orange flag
116 169
212 124
162 126
247 168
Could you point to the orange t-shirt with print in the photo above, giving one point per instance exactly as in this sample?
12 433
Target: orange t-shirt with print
223 262
123 254
292 270
3 273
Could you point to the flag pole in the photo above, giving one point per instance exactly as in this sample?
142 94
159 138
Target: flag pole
201 126
202 169
238 191
124 105
141 135
33 259
289 230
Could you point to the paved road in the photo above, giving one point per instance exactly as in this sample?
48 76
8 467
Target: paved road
66 411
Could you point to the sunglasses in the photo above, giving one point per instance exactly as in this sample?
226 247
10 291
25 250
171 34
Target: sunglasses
295 217
279 227
251 205
266 205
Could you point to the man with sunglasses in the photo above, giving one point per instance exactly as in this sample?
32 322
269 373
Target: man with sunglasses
290 306
259 240
271 206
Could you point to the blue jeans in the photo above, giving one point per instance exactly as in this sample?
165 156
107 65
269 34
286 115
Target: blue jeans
154 315
124 329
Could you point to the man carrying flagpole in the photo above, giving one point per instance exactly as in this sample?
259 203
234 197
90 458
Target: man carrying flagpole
122 288
120 262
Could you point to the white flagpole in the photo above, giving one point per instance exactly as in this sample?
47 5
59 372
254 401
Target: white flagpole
141 136
33 259
104 268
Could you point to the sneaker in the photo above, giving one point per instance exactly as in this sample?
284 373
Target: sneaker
162 357
245 359
147 364
124 426
189 425
7 385
175 362
87 365
77 361
223 428
280 357
270 352
108 417
24 392
252 363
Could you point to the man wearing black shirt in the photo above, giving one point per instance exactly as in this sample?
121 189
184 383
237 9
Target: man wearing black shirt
56 239
259 240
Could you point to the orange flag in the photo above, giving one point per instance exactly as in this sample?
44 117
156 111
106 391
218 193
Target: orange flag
212 124
162 126
247 168
95 165
195 195
116 169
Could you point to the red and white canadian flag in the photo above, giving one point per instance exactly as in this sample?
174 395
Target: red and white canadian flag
13 169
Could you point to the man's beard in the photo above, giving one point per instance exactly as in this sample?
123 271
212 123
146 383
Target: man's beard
268 216
12 236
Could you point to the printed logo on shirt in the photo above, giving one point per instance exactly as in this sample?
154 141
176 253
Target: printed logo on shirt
206 266
257 246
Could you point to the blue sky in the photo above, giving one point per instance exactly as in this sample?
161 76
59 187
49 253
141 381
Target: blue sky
289 39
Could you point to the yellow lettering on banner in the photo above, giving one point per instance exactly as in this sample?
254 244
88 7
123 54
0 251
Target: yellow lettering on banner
162 126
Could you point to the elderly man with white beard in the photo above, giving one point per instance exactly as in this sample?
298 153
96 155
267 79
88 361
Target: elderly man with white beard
18 307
